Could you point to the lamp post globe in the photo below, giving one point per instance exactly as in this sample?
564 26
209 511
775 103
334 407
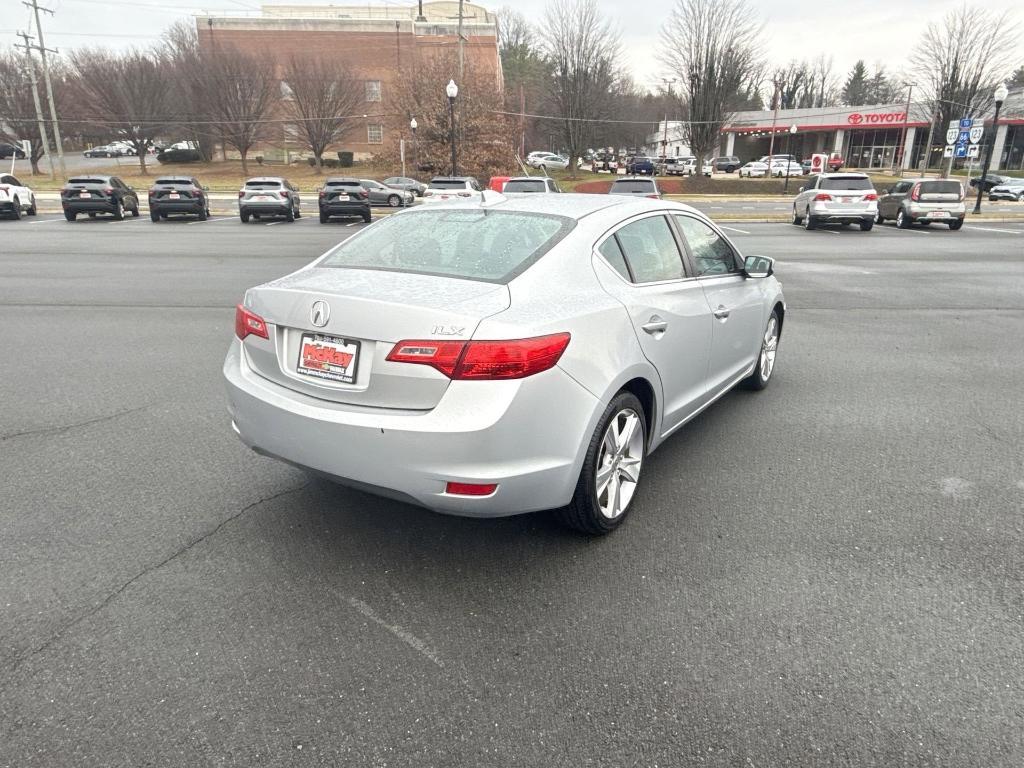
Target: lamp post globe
413 125
999 96
452 90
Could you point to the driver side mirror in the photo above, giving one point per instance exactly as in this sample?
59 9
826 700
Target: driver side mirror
885 191
759 266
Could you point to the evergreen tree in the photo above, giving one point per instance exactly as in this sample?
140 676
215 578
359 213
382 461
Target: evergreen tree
855 90
1017 78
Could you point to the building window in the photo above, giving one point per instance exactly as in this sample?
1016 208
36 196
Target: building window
373 90
375 134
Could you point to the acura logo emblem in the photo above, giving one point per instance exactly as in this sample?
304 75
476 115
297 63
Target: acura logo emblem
320 313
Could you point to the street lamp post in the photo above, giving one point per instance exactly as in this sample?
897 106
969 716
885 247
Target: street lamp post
668 81
1000 97
792 130
415 149
452 90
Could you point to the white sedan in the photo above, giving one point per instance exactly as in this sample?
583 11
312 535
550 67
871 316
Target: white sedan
754 169
779 168
15 197
433 356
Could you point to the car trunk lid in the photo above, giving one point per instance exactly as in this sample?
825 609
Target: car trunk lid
337 350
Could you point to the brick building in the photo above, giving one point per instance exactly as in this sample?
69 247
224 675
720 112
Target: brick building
375 42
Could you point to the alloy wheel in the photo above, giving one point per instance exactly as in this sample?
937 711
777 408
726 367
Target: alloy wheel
619 462
769 348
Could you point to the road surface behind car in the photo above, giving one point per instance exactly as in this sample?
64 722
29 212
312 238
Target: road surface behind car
825 573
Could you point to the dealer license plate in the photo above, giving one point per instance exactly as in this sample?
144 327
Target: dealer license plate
845 199
328 357
84 194
262 198
938 214
343 197
174 196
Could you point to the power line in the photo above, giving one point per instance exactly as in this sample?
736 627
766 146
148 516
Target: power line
34 5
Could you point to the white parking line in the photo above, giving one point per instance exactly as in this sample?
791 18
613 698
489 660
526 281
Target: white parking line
219 218
46 221
733 229
993 229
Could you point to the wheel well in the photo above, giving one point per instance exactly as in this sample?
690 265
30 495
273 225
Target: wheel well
645 394
781 310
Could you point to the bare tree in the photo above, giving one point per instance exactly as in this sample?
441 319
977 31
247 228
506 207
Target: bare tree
17 107
823 81
181 49
320 95
795 83
582 50
128 94
237 91
712 47
959 60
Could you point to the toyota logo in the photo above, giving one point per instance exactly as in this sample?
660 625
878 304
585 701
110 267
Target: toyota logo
320 313
856 118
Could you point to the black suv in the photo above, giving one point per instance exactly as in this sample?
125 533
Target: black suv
344 197
178 194
98 194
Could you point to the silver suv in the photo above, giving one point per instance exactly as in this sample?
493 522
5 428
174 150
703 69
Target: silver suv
923 201
836 198
269 196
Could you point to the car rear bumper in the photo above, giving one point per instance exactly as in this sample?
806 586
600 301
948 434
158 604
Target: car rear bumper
528 436
935 212
94 205
345 209
268 209
177 206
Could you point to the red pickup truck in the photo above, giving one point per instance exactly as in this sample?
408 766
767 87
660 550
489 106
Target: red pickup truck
835 163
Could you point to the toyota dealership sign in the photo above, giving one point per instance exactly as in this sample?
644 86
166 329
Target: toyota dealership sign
876 118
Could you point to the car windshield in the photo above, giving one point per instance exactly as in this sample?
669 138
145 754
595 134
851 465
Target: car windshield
490 246
173 181
448 184
846 182
640 185
525 186
941 187
262 184
342 184
84 180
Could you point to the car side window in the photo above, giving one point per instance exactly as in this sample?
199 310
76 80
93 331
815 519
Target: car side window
811 183
712 255
903 186
14 181
613 255
650 250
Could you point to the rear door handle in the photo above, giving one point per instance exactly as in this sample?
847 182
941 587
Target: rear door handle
655 325
721 313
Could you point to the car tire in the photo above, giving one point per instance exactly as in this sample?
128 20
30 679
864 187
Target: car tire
32 210
797 218
394 201
244 216
324 218
92 214
289 214
70 215
367 218
204 214
1020 197
16 209
902 220
879 219
866 226
956 224
154 216
135 211
765 365
118 211
298 211
611 447
809 222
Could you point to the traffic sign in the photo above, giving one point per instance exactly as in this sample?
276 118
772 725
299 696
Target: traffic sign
951 135
961 150
964 137
973 150
977 131
948 151
954 125
966 123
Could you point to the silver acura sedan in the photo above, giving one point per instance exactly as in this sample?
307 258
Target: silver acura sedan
503 357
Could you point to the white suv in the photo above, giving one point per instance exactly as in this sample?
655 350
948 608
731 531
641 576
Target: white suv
443 189
836 198
15 197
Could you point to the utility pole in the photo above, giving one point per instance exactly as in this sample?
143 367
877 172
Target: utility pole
31 64
664 142
902 149
775 117
461 55
927 156
34 5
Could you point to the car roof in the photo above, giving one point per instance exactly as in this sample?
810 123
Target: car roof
528 178
265 178
453 178
633 178
846 175
336 179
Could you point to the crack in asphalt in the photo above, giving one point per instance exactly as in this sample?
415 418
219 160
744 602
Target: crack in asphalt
65 427
69 626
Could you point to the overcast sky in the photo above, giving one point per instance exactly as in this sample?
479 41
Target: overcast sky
874 31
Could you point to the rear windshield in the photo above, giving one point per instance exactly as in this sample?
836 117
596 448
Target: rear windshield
173 181
525 186
490 246
448 184
941 187
343 184
640 185
84 180
262 184
846 182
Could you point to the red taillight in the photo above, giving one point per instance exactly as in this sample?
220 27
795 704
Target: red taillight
323 193
465 194
428 193
470 489
284 193
915 193
247 323
4 189
484 360
654 197
871 196
196 191
241 194
152 193
821 197
108 190
364 194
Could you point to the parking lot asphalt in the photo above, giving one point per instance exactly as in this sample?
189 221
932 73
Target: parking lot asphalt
824 573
